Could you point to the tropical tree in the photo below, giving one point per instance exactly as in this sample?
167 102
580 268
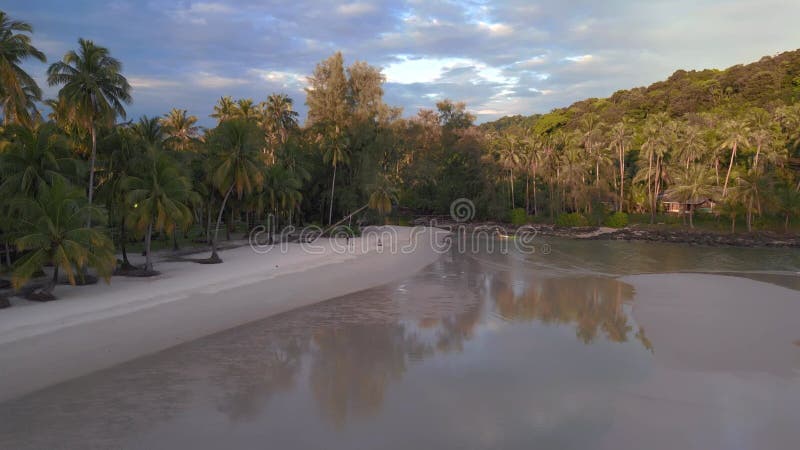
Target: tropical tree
93 87
788 204
181 129
236 165
54 232
160 197
735 134
382 196
335 153
751 187
278 120
620 141
34 157
692 184
224 109
18 90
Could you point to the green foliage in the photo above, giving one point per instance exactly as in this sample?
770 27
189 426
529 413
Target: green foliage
574 219
616 220
53 231
518 216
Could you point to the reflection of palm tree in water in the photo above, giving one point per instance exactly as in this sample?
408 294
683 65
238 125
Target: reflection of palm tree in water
591 304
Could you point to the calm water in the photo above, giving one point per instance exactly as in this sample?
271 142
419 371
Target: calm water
475 351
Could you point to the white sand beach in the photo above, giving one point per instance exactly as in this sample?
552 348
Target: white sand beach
94 327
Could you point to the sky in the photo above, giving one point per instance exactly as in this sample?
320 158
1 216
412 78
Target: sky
501 58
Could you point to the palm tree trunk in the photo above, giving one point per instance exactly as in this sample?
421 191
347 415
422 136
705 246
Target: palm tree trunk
535 203
8 254
730 167
123 238
511 183
750 215
333 187
53 281
148 259
214 256
92 158
755 161
527 194
691 216
649 188
621 176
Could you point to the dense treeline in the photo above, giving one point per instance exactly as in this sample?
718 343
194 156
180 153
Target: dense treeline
82 183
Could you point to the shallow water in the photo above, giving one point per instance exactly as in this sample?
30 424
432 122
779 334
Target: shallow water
484 350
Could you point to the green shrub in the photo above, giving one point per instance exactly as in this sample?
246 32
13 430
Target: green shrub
617 220
572 220
519 216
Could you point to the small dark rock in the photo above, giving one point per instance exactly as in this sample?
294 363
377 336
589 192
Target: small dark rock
4 302
40 296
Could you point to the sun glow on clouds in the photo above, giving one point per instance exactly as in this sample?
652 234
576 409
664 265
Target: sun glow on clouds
213 81
355 9
150 83
410 70
579 59
285 79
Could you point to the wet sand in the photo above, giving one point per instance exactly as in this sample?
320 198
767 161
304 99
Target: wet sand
474 351
94 327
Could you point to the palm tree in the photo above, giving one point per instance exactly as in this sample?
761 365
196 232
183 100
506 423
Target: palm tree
181 129
382 196
224 109
236 165
18 90
788 204
160 199
54 233
751 187
620 140
692 183
246 109
335 154
735 134
34 157
278 120
95 90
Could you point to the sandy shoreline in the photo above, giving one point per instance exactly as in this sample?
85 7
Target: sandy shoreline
95 327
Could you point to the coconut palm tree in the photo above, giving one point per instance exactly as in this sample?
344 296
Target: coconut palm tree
278 120
693 183
735 134
35 156
236 165
18 90
93 87
181 129
224 109
335 154
246 109
620 140
788 204
751 187
160 196
382 195
55 233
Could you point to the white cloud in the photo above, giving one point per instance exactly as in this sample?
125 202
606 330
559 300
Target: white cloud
579 59
143 82
355 9
212 81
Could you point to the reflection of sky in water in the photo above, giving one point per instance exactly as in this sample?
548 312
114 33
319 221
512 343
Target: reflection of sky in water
471 352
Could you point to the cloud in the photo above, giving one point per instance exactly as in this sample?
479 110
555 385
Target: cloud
502 57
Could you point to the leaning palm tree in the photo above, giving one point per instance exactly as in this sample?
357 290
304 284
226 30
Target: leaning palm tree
93 86
735 134
181 129
18 90
55 233
235 165
691 184
160 197
335 153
